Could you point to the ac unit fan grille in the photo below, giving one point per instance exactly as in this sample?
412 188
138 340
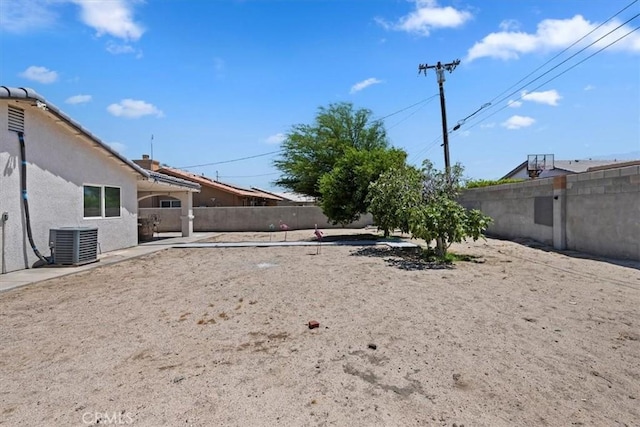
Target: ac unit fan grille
74 246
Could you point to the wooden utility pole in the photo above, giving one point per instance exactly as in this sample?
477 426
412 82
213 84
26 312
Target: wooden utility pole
440 69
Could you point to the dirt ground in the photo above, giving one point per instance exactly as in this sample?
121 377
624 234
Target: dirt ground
518 336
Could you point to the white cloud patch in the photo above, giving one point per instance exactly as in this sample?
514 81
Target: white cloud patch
510 25
276 139
219 66
426 17
551 35
78 99
364 84
123 49
39 74
549 97
23 16
518 122
118 146
589 87
112 17
133 109
514 104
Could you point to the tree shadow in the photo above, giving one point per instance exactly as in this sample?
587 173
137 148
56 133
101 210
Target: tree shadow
410 259
534 244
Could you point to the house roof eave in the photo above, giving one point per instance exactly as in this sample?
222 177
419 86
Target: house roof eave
28 94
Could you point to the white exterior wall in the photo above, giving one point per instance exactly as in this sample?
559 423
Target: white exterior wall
59 163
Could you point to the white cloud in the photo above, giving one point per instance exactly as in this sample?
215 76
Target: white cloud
22 16
121 49
510 25
39 74
589 87
514 104
518 122
78 99
118 146
549 97
364 84
112 17
276 139
133 109
550 35
427 17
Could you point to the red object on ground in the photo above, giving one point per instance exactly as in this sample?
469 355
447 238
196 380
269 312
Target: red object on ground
314 324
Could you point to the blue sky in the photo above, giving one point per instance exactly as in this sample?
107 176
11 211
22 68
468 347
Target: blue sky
217 81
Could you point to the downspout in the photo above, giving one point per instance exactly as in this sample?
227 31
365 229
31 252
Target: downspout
25 201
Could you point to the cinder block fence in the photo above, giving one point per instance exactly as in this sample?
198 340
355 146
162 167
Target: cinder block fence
593 212
248 218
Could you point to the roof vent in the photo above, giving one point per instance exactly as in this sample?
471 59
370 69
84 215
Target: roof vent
16 119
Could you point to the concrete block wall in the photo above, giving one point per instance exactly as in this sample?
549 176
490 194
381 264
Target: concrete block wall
248 218
593 212
603 212
512 208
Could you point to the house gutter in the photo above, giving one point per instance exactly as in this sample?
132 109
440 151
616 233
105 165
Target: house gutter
27 94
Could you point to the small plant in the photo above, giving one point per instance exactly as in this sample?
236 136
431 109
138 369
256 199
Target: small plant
479 183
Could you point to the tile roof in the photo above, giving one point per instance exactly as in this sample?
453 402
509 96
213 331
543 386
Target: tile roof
30 95
208 182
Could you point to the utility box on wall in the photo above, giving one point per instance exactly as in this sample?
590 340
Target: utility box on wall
71 246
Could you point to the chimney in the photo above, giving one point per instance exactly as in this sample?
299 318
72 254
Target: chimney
147 163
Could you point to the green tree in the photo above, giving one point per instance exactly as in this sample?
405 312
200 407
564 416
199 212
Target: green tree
424 204
345 189
440 217
393 196
312 151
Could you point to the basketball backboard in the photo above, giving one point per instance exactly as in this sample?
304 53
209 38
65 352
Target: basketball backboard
536 163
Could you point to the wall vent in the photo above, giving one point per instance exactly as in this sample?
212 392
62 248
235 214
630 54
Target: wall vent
73 246
16 119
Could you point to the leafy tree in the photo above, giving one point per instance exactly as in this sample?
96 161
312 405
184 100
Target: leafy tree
441 217
393 196
311 151
345 189
424 203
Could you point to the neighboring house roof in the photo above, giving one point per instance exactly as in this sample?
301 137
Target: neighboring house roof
208 182
572 166
291 197
577 166
29 95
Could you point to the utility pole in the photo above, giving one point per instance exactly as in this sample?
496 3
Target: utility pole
440 69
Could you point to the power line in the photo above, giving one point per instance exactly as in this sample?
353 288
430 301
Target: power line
561 63
249 176
563 51
230 161
436 140
568 69
279 151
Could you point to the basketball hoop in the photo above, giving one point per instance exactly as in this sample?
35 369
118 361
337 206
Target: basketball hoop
537 163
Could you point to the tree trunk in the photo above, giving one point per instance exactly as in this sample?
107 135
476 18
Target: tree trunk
441 247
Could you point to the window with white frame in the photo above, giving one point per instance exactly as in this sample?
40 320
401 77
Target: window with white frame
101 201
170 203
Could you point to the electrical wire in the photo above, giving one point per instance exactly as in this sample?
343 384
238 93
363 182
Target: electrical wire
564 71
563 51
423 101
435 141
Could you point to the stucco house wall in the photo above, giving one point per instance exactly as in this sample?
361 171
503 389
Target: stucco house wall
60 161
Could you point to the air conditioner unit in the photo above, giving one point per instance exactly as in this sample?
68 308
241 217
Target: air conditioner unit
71 246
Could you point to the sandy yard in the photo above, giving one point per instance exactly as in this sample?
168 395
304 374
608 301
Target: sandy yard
519 336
